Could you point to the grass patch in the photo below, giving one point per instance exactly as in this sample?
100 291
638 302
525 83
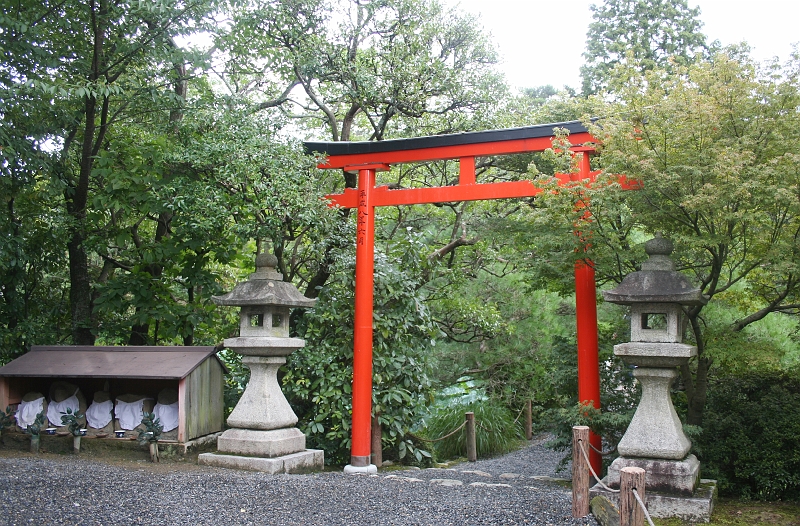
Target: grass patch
738 513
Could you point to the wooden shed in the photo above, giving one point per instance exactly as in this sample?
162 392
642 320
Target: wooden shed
195 372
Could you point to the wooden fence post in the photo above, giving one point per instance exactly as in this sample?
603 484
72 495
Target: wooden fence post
630 513
528 421
580 472
472 449
376 446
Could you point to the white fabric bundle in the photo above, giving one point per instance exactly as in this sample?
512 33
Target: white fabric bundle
27 411
168 415
99 414
55 409
129 414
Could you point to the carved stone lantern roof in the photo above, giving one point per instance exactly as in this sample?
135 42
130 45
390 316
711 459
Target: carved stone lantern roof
265 287
657 282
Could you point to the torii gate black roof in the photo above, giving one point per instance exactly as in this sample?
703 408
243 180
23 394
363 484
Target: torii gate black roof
434 141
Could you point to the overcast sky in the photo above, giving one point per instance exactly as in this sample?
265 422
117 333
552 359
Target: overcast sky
541 41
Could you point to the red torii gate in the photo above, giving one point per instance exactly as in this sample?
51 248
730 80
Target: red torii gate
367 158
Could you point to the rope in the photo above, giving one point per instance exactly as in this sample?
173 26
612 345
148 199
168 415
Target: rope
448 435
600 482
603 453
641 505
586 458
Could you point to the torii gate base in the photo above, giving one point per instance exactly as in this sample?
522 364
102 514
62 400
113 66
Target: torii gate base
367 158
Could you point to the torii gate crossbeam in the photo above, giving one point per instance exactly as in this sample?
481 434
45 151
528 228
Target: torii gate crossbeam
368 158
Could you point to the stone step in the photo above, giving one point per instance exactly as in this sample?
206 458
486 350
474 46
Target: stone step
450 477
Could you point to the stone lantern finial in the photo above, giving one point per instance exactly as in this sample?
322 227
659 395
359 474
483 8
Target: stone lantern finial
659 249
266 263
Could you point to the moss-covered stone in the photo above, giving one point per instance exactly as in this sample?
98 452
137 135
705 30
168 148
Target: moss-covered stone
604 511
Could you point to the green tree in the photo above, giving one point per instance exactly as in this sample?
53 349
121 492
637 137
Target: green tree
318 380
72 73
649 33
714 148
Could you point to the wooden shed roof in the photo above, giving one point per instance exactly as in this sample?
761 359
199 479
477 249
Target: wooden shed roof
84 361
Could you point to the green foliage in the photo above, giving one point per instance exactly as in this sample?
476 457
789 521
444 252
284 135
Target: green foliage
72 421
713 146
619 392
368 70
236 379
496 432
610 425
653 34
6 418
35 429
152 428
750 435
317 380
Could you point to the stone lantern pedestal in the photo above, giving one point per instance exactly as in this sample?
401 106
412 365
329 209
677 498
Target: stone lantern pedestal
262 435
654 440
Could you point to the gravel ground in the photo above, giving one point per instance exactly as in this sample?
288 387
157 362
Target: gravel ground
64 489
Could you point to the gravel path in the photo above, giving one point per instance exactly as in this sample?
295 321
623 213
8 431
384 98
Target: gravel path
62 489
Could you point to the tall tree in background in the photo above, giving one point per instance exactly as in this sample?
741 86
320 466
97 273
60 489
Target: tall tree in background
362 70
715 148
73 72
651 33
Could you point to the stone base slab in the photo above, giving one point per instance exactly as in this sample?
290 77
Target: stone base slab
306 461
257 443
694 508
667 476
368 470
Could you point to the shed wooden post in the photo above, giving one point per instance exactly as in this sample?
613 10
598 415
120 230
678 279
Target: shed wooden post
630 513
580 472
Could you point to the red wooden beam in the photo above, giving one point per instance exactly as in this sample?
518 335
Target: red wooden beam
384 196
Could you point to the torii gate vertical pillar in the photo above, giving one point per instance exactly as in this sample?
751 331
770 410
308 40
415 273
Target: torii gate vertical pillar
362 334
588 359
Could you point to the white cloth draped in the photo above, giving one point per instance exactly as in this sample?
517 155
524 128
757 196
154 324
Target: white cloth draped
55 409
129 414
168 415
99 414
27 411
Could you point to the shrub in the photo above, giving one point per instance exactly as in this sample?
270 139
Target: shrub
751 435
495 430
317 380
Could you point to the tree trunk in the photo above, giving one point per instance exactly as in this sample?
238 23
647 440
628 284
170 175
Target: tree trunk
80 292
76 444
34 443
697 401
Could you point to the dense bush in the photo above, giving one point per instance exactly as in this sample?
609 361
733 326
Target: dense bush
751 435
496 432
318 379
619 393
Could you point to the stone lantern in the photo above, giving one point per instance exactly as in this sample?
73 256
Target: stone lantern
262 435
654 440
